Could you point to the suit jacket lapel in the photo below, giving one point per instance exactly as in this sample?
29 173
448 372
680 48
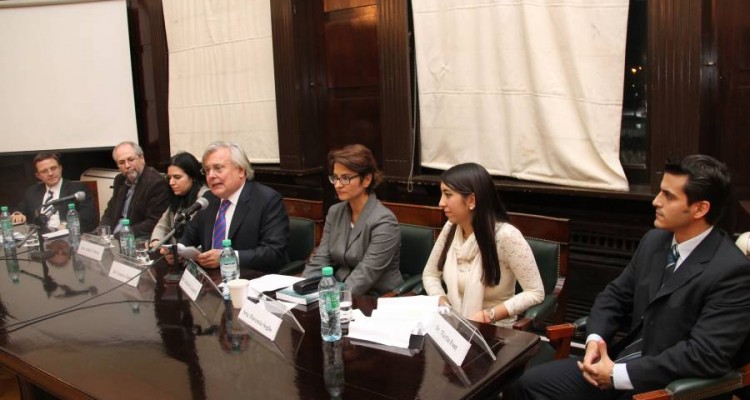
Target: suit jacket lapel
241 209
693 265
357 231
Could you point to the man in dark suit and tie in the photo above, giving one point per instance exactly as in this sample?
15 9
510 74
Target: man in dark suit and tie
683 301
53 187
253 214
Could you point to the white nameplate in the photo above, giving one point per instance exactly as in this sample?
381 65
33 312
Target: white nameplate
191 286
259 319
124 273
90 250
449 340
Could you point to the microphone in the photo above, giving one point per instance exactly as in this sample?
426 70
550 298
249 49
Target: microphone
78 196
199 204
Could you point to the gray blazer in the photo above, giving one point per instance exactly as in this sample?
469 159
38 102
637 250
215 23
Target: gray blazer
365 257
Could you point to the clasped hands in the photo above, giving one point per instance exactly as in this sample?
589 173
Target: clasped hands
597 366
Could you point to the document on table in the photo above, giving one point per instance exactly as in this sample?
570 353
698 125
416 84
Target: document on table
270 282
188 253
395 320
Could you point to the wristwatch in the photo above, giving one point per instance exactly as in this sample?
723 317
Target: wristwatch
491 313
612 377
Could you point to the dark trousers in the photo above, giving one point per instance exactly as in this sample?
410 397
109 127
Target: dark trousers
561 380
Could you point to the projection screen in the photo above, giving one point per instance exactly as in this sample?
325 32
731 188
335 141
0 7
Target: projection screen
66 75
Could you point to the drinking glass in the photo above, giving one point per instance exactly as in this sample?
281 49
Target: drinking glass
345 304
141 250
104 233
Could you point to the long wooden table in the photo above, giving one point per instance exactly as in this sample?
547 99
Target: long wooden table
108 341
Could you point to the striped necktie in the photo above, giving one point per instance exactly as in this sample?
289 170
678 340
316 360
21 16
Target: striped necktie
220 226
50 195
672 256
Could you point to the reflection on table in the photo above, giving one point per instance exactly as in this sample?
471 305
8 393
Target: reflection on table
69 328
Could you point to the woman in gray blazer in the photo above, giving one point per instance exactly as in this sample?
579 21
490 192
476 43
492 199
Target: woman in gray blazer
361 238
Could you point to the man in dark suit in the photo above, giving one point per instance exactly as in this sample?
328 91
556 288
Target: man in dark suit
256 220
53 187
683 300
140 193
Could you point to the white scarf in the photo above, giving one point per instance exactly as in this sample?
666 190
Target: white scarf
464 253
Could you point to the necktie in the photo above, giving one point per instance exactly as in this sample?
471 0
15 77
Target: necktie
220 226
672 256
50 194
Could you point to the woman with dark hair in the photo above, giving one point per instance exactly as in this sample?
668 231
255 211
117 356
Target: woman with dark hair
361 238
187 183
478 254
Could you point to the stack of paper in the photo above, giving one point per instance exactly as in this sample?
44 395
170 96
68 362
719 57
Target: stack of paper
270 282
395 320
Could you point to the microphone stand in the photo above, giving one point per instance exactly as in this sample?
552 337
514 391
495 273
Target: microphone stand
172 276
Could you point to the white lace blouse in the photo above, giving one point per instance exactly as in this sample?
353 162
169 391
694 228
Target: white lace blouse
516 264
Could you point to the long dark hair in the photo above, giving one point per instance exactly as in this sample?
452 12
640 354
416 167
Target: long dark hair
190 165
472 178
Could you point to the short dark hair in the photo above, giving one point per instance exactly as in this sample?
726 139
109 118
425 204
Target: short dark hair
359 159
46 156
473 178
708 179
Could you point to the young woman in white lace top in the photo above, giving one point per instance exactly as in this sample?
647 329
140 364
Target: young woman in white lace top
479 255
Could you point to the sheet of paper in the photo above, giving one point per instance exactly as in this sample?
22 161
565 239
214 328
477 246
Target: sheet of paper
188 253
270 282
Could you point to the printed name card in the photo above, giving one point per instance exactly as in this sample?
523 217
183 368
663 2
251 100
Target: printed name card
447 338
90 250
258 318
124 273
190 285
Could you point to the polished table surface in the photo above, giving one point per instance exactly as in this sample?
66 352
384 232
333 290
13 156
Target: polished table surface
67 327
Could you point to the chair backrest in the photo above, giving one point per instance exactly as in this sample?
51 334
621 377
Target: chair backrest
301 238
94 189
305 226
549 239
416 246
420 227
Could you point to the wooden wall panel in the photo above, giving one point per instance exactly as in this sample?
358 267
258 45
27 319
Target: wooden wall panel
351 48
674 85
396 89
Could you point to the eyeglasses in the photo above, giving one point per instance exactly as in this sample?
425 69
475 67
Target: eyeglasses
344 179
50 170
216 168
128 160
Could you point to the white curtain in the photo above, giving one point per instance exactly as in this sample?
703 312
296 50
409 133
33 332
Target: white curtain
530 89
221 83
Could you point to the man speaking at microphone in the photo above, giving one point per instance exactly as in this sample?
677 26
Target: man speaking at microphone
251 214
53 187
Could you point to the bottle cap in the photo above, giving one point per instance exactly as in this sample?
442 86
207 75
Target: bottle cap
4 208
328 270
125 222
226 242
72 206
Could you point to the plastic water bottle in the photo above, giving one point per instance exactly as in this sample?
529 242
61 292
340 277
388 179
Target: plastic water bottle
330 292
228 264
7 225
127 239
74 224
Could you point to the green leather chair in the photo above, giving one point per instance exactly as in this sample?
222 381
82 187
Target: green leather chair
549 239
416 246
301 244
547 256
